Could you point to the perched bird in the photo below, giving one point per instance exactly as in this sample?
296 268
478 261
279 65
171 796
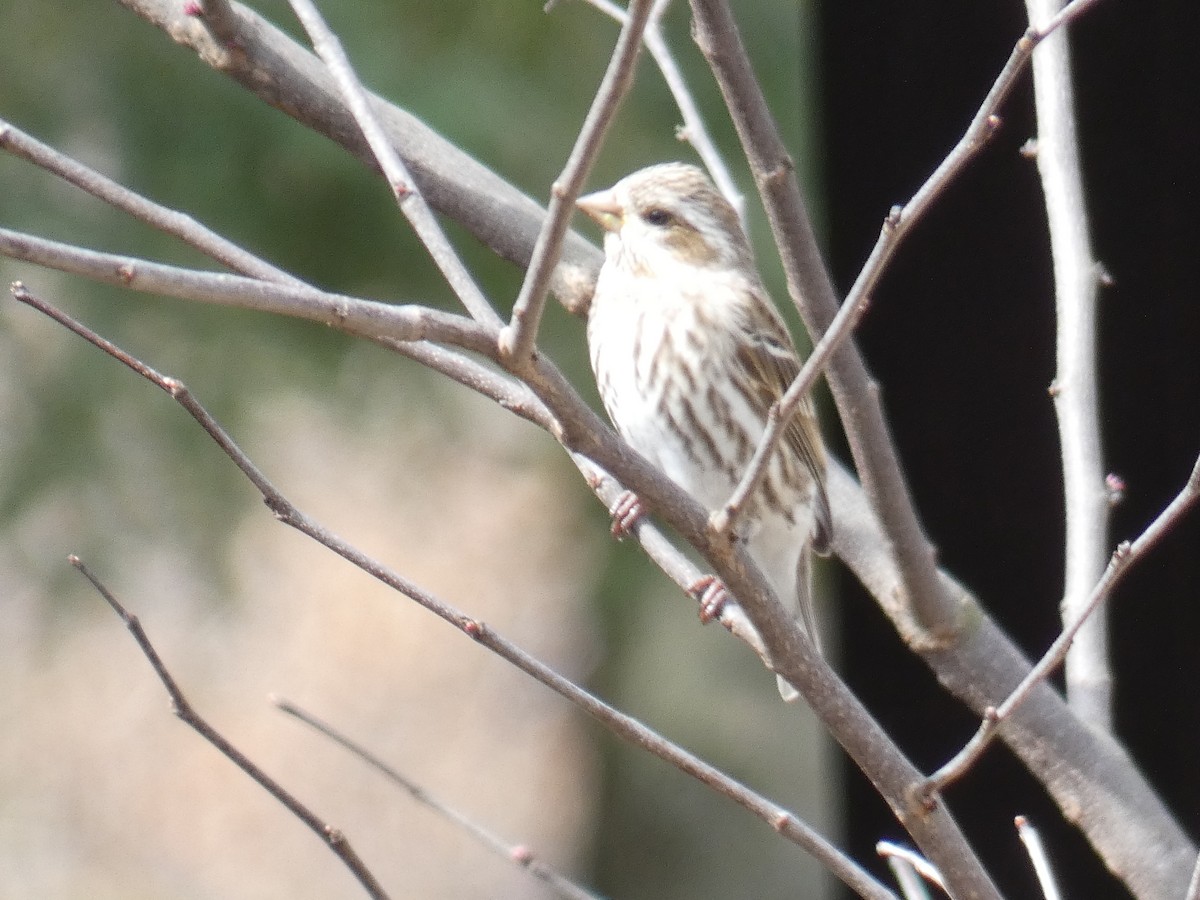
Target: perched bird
690 354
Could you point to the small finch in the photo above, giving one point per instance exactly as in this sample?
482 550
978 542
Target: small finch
690 354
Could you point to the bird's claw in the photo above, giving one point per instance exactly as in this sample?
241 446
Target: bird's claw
626 512
710 591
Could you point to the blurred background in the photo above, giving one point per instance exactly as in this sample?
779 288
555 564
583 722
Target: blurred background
104 794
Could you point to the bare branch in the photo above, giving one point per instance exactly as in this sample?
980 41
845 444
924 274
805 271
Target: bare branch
520 855
334 838
404 188
896 228
912 887
780 820
285 75
1125 556
518 337
913 862
1032 840
365 318
1076 383
810 287
166 220
1108 799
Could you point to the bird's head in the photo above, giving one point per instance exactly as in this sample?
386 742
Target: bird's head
665 216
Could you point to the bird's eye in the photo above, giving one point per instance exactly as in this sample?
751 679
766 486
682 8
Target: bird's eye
657 217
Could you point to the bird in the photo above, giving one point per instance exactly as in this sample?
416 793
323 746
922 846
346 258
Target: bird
689 355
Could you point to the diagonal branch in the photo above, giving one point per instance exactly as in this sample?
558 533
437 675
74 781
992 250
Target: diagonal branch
168 221
183 709
810 287
404 189
288 77
518 854
896 228
518 337
938 617
365 318
1123 558
1108 798
781 820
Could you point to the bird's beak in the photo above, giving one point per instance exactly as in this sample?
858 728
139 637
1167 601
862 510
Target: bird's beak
603 208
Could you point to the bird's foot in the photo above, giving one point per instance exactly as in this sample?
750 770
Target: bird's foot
710 591
626 512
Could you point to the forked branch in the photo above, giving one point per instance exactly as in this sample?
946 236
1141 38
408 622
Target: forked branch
1123 558
896 227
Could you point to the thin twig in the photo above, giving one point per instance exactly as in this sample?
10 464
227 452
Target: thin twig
1193 890
1123 558
693 130
168 221
334 838
783 411
919 864
896 227
519 854
1032 840
404 188
781 820
1076 382
517 339
912 886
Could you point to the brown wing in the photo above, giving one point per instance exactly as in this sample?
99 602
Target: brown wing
771 362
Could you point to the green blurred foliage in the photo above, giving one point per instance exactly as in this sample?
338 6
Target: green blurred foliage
504 80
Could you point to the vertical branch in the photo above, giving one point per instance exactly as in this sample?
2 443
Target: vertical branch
1075 390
